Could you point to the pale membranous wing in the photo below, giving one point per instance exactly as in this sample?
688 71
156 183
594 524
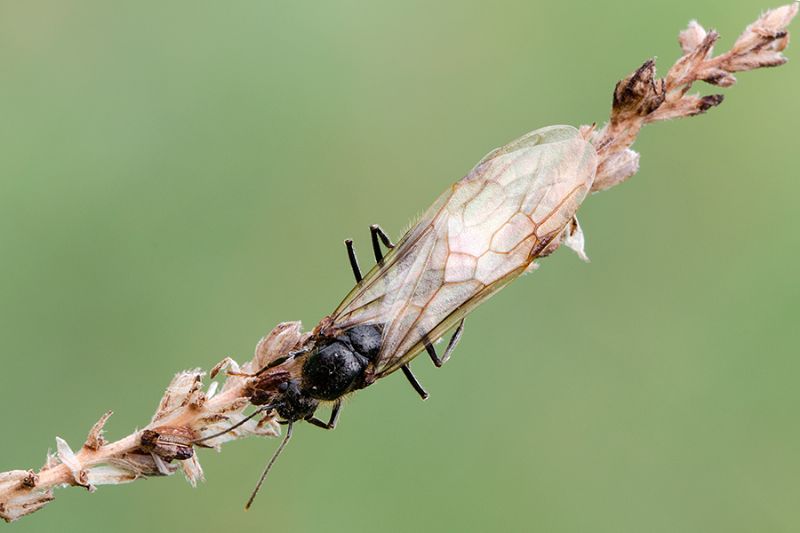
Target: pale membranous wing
483 232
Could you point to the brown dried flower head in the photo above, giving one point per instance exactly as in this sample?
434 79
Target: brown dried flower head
642 97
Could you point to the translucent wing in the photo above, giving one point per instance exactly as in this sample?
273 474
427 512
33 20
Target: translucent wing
483 232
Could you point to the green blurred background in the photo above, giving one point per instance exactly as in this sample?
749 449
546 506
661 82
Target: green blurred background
178 177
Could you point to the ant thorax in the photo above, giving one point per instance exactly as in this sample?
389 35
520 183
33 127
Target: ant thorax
337 365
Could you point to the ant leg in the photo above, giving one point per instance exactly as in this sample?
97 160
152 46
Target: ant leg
450 346
378 233
331 422
351 254
414 383
378 236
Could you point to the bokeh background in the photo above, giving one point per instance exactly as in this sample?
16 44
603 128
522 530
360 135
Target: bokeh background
178 177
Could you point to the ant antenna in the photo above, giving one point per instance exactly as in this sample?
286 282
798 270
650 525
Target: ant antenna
281 360
269 466
236 425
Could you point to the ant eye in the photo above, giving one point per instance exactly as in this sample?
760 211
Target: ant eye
283 387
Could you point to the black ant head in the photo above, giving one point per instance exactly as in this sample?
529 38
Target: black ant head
290 402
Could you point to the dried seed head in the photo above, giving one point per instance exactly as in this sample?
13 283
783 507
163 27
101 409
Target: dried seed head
641 98
68 458
615 169
685 70
184 389
95 438
692 36
639 94
717 76
284 338
192 470
23 503
573 239
30 480
140 465
768 30
688 106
